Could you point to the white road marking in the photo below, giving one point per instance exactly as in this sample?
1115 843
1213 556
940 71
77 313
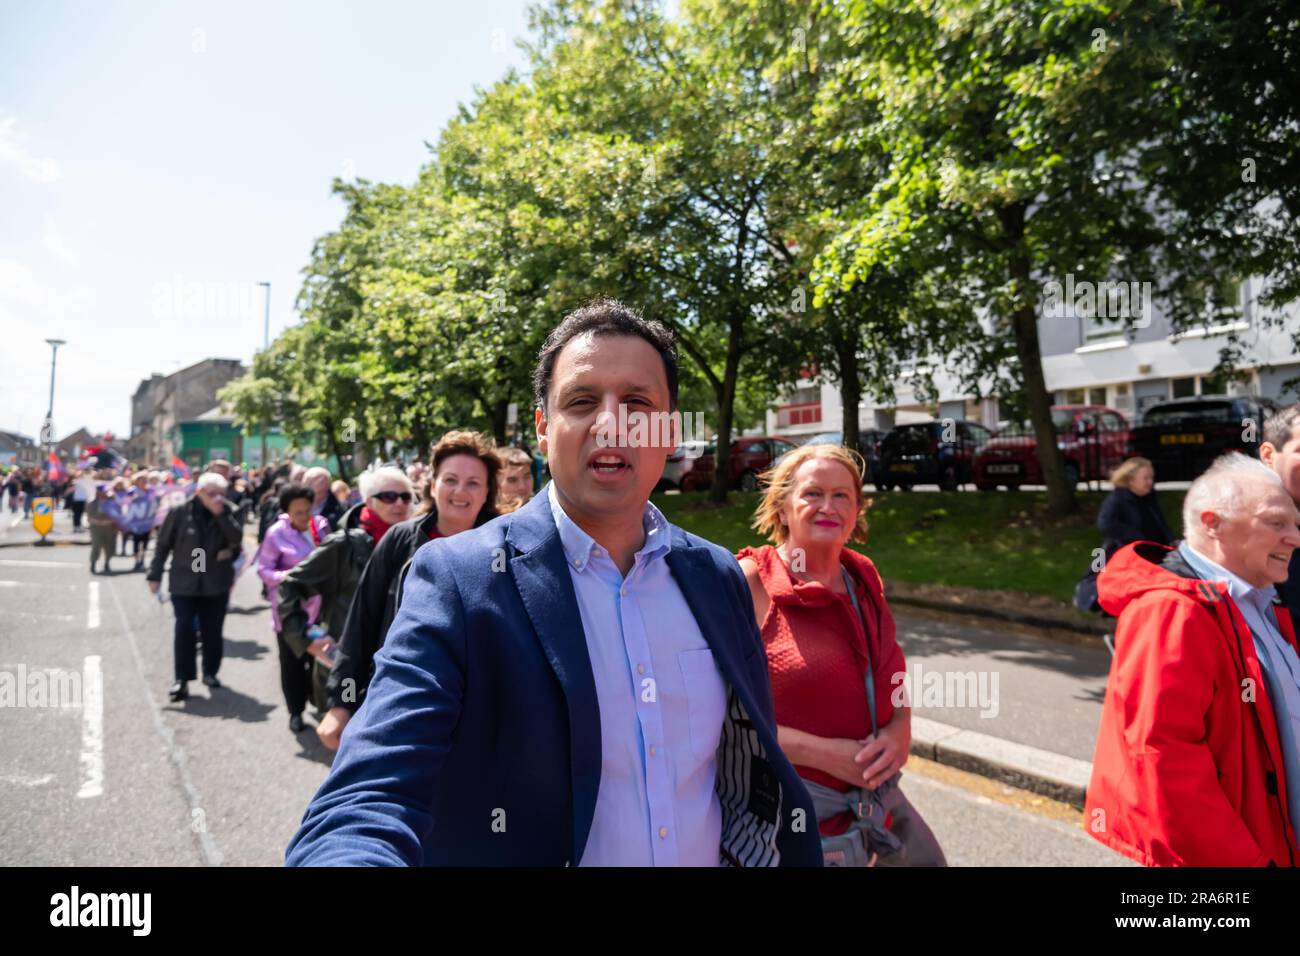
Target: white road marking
92 609
208 846
14 523
28 781
38 564
92 728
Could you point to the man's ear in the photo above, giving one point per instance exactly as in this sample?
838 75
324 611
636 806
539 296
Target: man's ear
539 428
1267 451
1209 523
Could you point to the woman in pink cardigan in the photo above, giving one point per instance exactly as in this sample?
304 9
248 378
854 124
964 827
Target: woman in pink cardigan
295 534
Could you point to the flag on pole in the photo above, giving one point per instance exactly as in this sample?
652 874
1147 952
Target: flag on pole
179 468
55 468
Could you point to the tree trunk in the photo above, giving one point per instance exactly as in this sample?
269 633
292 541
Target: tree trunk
499 410
726 408
846 351
1024 322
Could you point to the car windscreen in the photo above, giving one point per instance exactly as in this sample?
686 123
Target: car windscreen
1192 413
907 440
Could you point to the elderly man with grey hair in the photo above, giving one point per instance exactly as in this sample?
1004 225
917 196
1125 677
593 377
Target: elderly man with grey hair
318 479
202 537
1198 754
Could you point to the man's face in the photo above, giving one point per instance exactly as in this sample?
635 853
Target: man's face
1285 461
517 482
1257 542
320 486
593 376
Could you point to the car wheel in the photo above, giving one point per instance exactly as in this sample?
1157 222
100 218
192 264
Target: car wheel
948 479
749 481
1013 487
904 487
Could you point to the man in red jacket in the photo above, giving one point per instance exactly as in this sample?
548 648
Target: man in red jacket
1200 730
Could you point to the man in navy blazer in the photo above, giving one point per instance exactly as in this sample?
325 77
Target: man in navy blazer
576 683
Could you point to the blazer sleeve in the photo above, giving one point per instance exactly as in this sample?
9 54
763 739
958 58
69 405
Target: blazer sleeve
376 806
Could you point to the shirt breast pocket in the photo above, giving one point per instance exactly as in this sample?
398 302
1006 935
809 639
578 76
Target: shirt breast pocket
706 700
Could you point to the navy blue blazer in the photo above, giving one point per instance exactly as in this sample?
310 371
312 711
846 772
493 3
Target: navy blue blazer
478 743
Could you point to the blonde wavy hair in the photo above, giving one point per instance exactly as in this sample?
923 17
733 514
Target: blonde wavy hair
778 484
1123 476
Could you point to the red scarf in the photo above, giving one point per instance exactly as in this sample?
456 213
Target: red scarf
374 524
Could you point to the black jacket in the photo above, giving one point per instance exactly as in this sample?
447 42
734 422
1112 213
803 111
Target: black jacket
332 511
1126 517
1289 592
332 571
205 547
373 609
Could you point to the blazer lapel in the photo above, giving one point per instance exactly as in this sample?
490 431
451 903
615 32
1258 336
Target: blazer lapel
697 577
541 575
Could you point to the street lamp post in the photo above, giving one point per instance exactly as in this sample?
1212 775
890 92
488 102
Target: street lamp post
266 344
49 414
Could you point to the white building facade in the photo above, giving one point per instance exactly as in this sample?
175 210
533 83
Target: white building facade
1087 361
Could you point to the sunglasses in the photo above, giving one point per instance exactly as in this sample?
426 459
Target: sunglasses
391 497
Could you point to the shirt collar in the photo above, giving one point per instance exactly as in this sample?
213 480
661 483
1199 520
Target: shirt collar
578 545
1238 589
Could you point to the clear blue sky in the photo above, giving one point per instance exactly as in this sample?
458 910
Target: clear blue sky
146 146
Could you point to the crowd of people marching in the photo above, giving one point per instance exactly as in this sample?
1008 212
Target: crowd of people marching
561 676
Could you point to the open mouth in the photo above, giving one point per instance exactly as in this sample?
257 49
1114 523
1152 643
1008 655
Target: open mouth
609 465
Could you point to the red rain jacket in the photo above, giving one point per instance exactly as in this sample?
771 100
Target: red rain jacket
1188 768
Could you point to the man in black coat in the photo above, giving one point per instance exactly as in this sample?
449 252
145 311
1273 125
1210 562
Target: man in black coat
203 537
1279 448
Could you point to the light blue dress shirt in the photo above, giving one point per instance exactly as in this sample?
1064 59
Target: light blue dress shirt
1277 660
662 703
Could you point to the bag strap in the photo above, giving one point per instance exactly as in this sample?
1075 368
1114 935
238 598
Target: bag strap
866 634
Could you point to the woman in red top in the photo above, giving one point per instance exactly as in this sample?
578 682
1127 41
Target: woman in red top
832 652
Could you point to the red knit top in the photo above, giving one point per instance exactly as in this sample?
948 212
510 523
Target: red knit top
816 654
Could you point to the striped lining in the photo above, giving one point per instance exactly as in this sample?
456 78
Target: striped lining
747 840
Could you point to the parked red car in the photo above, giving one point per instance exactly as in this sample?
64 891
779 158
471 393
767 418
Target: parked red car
750 456
1093 439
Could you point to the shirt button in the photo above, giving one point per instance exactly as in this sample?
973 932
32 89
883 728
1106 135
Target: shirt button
653 750
663 833
640 668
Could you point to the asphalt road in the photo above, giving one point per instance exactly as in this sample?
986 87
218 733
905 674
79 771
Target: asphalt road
123 777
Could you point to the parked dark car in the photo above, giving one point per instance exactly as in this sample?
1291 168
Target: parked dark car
868 444
1093 440
750 456
1182 437
931 453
